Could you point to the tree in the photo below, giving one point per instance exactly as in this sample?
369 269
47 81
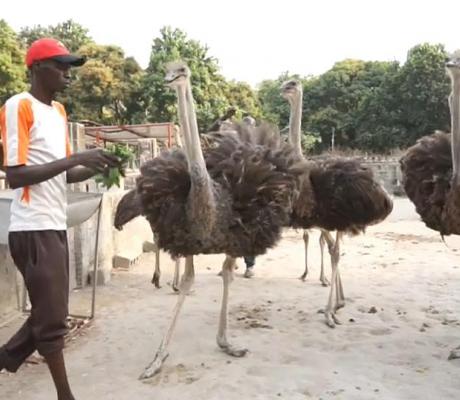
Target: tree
411 102
333 101
70 33
12 68
423 91
207 84
241 96
106 88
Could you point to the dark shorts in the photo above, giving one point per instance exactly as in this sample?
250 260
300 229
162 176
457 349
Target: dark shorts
42 257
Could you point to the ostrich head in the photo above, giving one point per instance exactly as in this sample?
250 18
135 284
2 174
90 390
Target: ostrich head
291 90
177 74
249 121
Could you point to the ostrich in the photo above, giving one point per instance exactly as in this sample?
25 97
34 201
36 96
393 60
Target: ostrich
431 171
338 195
292 91
219 122
235 202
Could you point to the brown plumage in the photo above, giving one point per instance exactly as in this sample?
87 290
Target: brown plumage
427 175
234 199
340 195
254 179
430 169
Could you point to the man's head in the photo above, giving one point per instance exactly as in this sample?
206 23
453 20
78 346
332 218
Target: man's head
49 62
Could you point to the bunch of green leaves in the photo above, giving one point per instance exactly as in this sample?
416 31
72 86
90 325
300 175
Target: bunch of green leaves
111 176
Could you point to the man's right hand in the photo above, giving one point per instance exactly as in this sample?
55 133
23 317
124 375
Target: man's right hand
96 159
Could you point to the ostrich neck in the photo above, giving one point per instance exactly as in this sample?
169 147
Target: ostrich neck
455 126
197 151
202 205
184 119
295 123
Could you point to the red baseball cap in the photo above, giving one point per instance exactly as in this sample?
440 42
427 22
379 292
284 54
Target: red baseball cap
48 48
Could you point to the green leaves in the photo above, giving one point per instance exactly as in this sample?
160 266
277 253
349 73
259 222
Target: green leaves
12 68
69 32
212 93
370 105
111 176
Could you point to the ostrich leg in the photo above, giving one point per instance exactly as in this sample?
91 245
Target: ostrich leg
176 278
162 352
322 276
340 297
331 319
305 240
157 271
227 278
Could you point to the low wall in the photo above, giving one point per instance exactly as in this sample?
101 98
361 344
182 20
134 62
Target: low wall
387 172
9 284
129 241
81 248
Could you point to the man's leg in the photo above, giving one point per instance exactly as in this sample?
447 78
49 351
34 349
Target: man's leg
51 297
46 276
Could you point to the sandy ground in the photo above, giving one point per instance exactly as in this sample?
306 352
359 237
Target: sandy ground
399 352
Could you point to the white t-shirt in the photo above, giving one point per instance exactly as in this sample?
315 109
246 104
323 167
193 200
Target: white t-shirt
35 133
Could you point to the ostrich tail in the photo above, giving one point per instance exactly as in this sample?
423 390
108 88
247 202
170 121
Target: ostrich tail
128 208
163 188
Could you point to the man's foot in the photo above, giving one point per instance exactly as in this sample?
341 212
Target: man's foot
249 273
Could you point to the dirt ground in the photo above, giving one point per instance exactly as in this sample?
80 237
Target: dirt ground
399 269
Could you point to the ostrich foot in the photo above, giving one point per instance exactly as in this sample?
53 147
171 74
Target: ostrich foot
324 281
303 277
331 319
155 366
227 348
156 280
175 284
454 354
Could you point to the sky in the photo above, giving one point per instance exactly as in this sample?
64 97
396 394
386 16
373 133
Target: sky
256 40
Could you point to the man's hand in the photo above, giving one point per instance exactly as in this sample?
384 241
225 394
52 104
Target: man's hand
96 159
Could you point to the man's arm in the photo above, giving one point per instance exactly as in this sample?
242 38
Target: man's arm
26 175
79 174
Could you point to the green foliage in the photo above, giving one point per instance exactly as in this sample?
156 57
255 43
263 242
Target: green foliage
12 66
106 88
207 84
111 176
242 97
70 33
368 105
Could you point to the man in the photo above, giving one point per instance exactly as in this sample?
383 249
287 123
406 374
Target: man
38 164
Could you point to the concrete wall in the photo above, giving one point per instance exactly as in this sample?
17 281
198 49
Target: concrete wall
9 288
387 172
128 242
111 242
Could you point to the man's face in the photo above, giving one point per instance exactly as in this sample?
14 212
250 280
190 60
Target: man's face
54 75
